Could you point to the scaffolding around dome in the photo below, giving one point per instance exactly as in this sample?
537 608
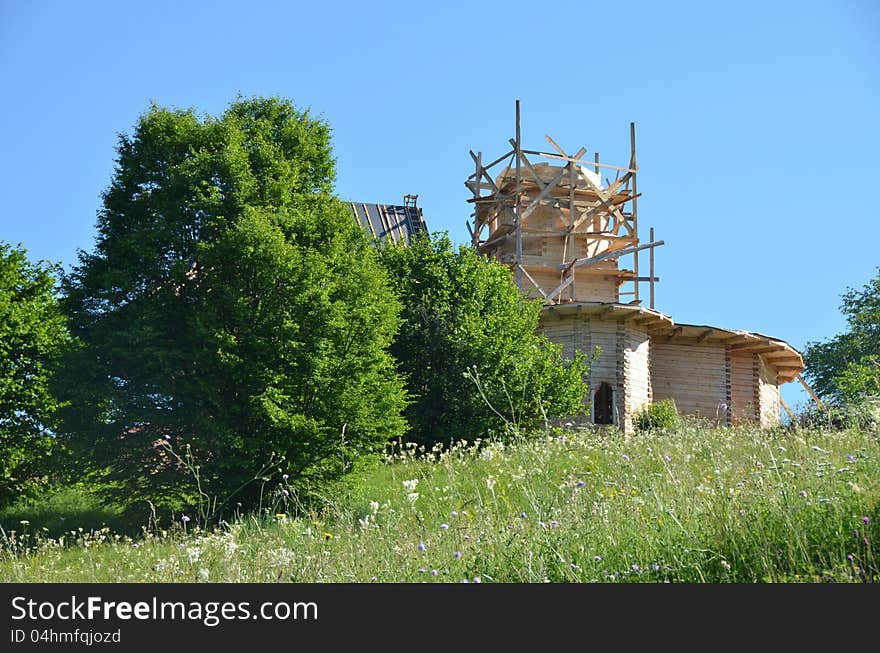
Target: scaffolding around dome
549 216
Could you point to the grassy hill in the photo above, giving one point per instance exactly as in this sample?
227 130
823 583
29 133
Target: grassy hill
695 505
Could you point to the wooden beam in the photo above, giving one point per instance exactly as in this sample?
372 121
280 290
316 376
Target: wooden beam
605 255
534 283
787 409
811 393
754 346
705 334
562 286
578 161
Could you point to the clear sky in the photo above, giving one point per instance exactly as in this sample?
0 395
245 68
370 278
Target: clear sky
758 146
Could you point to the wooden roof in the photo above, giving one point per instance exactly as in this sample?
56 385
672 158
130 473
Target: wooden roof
776 353
389 222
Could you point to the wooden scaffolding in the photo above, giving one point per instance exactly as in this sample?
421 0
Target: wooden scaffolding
550 217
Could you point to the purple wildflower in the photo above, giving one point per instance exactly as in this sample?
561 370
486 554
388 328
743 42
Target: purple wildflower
636 568
454 513
866 519
850 457
581 483
478 580
443 527
434 572
422 547
626 458
667 458
457 555
523 515
803 494
184 519
554 523
597 558
421 570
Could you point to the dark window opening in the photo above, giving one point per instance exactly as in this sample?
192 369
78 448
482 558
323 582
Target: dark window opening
603 405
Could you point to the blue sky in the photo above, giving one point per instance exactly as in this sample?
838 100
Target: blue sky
756 121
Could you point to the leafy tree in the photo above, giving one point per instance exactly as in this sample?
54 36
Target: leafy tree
234 317
468 346
848 365
32 335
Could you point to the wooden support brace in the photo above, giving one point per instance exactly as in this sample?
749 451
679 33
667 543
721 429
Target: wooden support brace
811 393
605 255
787 409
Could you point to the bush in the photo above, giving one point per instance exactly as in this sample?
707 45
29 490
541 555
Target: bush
660 415
861 413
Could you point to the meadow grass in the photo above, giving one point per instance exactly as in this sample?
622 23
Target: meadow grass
693 505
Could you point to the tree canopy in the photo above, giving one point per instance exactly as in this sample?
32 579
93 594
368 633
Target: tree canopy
847 366
233 316
32 335
469 349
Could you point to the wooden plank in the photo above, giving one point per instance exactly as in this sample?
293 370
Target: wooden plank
787 409
606 255
534 283
578 161
811 393
562 286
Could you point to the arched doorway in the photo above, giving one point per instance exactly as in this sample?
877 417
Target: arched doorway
603 404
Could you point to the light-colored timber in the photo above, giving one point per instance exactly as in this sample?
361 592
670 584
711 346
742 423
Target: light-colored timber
571 240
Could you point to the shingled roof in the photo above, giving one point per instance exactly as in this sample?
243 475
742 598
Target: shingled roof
397 223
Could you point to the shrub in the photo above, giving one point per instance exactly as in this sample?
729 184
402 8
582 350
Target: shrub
660 415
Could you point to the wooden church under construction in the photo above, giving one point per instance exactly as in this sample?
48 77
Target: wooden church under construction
573 241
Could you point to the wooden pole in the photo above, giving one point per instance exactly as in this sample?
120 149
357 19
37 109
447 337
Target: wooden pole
635 213
651 265
478 175
811 393
787 409
517 205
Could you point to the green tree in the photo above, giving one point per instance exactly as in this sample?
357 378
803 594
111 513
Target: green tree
846 366
234 317
469 349
32 336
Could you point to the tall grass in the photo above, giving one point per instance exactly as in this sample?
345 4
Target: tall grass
693 505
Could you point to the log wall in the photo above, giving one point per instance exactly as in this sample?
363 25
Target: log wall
692 375
744 406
